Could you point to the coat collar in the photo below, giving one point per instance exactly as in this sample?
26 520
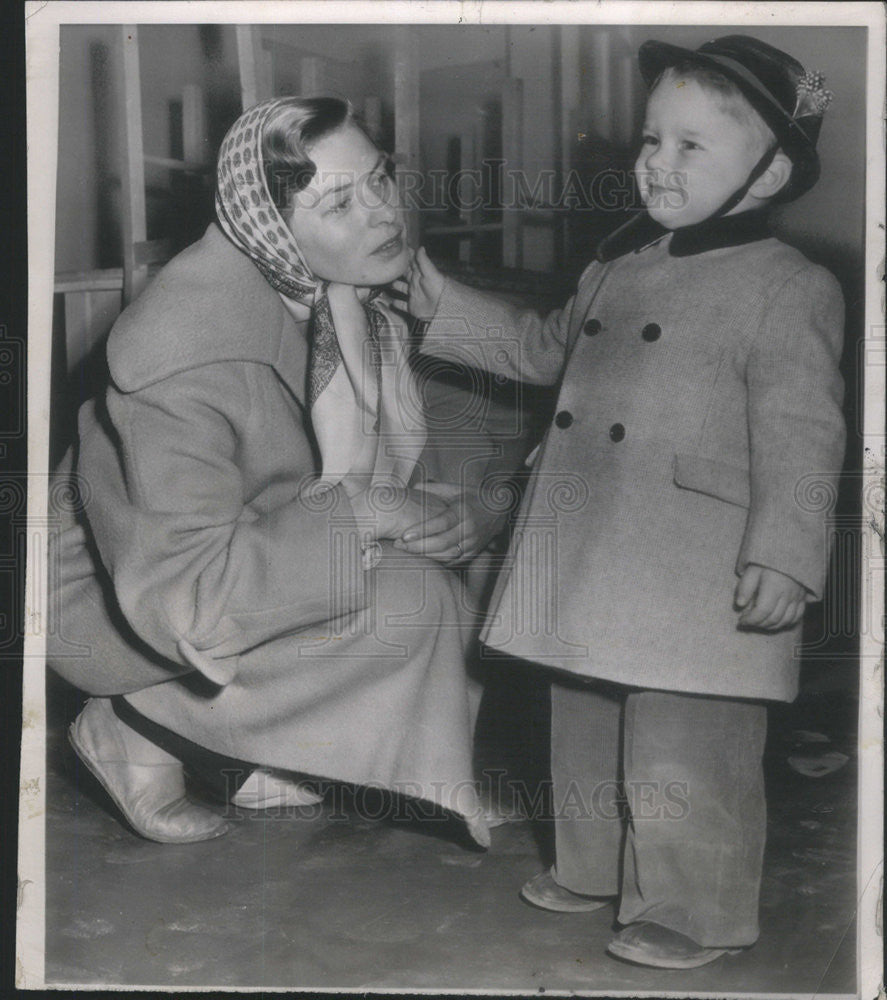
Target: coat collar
210 304
710 234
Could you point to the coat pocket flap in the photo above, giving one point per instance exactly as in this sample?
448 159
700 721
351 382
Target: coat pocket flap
715 479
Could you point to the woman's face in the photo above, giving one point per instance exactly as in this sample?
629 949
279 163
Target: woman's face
347 221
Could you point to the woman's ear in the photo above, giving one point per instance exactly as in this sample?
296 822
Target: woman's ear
773 179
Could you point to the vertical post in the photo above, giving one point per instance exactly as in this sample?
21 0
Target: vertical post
78 322
313 76
254 64
406 122
567 106
512 153
372 115
601 82
626 98
193 124
132 175
467 191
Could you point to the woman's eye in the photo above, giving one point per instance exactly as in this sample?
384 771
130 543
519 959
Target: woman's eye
650 140
341 206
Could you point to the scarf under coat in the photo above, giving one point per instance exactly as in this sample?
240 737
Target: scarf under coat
362 397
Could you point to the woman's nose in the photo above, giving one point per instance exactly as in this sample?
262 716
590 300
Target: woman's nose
383 209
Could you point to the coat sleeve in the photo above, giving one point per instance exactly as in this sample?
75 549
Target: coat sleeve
200 575
796 428
477 329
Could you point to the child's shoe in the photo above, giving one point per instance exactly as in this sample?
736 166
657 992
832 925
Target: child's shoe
544 892
646 943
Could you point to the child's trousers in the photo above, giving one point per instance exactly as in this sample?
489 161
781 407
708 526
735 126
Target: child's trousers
659 798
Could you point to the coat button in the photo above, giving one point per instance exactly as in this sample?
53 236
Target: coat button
617 432
564 419
592 327
651 332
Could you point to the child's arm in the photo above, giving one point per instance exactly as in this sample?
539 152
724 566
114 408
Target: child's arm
479 330
425 285
796 438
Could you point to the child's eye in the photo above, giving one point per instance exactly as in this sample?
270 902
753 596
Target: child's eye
649 140
689 144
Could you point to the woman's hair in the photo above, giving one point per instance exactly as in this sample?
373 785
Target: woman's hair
289 132
731 99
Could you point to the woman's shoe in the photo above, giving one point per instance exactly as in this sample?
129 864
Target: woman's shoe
647 943
544 892
145 782
267 789
497 813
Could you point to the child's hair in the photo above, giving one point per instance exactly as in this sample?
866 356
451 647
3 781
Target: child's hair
732 101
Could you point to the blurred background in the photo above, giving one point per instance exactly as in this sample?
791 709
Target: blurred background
547 101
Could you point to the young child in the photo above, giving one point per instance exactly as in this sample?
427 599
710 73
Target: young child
673 529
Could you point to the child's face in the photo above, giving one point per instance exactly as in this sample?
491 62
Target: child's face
694 154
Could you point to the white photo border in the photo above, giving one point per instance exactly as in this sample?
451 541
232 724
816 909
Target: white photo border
43 21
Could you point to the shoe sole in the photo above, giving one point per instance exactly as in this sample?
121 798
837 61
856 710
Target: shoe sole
562 906
95 770
638 957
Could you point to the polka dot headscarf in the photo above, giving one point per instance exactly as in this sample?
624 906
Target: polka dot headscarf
248 215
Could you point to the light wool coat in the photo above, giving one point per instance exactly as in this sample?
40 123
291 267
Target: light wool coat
698 429
197 551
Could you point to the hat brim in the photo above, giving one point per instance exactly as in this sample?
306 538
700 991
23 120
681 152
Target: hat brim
654 57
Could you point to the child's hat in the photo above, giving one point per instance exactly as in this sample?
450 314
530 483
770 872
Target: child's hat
789 99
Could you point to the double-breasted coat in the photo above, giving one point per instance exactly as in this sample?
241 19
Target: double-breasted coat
196 549
698 429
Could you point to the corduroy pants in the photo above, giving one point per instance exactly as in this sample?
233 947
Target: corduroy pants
659 799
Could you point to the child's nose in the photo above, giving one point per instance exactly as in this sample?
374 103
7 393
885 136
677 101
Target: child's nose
657 159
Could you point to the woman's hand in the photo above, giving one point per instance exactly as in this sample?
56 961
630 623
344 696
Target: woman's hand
458 533
422 287
385 511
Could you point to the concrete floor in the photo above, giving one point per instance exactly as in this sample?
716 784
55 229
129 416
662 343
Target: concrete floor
327 899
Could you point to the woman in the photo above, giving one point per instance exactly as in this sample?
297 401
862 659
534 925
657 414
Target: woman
232 570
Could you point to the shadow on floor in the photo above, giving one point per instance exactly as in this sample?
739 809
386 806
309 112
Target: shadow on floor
337 897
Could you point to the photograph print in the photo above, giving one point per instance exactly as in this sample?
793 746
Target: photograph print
460 518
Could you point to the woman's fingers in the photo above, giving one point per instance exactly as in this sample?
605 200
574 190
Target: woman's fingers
443 522
441 542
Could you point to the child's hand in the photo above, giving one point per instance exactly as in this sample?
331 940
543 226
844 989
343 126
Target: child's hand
422 286
770 599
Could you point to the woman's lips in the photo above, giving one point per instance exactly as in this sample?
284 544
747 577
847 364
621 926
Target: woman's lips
392 247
